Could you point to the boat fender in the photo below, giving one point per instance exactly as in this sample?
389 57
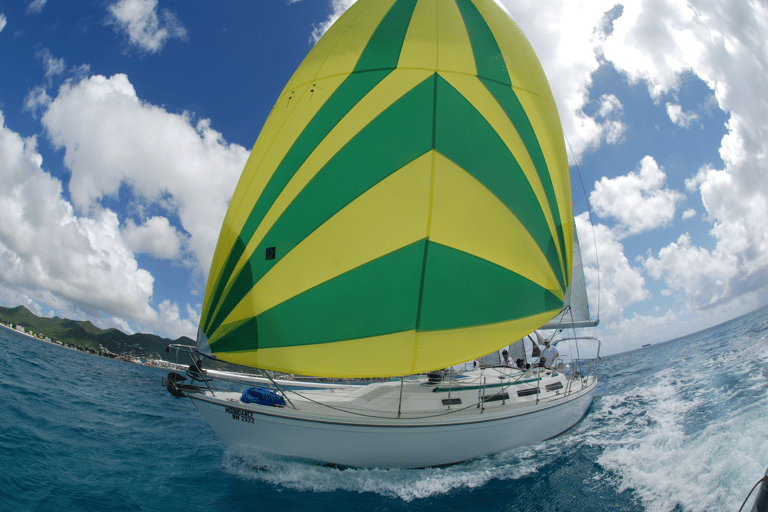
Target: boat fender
262 396
170 384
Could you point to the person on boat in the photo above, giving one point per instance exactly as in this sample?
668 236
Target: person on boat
505 359
549 353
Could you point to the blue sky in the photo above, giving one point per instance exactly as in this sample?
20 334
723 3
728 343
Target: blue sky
124 125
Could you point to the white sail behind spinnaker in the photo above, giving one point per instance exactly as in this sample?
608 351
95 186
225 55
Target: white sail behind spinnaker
575 313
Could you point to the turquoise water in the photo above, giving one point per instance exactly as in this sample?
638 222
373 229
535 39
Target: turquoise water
678 426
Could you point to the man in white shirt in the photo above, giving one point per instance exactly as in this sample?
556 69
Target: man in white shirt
549 354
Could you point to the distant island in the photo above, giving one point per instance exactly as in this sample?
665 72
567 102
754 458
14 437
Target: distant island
84 336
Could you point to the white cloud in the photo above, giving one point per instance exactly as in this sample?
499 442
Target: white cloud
35 6
611 110
620 284
3 21
52 65
680 118
37 99
702 276
636 200
78 265
110 138
613 131
610 106
655 40
146 27
662 41
155 237
44 246
568 52
338 7
690 212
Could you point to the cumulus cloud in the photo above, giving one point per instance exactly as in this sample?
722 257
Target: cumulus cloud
155 237
689 213
620 284
701 275
610 106
78 265
611 110
75 256
3 21
637 200
680 118
662 41
110 137
145 26
569 54
52 255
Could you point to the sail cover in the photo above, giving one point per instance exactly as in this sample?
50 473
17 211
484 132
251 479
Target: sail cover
406 206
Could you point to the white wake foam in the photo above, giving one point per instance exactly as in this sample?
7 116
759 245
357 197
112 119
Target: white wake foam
648 449
405 484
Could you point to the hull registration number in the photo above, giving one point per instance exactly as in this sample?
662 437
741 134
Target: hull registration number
240 414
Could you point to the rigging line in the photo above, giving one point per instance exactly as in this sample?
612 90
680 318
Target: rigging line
575 335
592 224
347 411
750 492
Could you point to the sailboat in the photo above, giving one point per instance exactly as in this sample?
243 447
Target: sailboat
406 209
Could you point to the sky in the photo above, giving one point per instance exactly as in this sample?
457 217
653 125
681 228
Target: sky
125 124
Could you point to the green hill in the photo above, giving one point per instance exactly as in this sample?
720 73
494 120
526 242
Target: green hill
86 335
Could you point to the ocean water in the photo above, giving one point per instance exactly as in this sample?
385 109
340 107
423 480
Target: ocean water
678 426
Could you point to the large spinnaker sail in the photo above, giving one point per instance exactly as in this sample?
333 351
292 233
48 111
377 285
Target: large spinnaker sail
407 205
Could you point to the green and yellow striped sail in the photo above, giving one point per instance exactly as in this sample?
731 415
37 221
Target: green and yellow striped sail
406 206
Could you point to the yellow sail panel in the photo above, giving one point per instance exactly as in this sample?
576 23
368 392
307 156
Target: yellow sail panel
289 118
454 47
338 51
378 99
485 339
394 212
481 99
391 215
553 149
419 50
520 61
467 217
562 181
391 351
315 155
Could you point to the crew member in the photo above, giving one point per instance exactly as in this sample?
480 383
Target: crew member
550 353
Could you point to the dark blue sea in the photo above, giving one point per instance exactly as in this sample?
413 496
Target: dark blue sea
678 426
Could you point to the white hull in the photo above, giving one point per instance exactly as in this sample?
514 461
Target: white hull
357 437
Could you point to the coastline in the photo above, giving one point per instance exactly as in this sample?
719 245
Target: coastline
157 363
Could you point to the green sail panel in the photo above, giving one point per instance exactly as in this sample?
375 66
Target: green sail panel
402 209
